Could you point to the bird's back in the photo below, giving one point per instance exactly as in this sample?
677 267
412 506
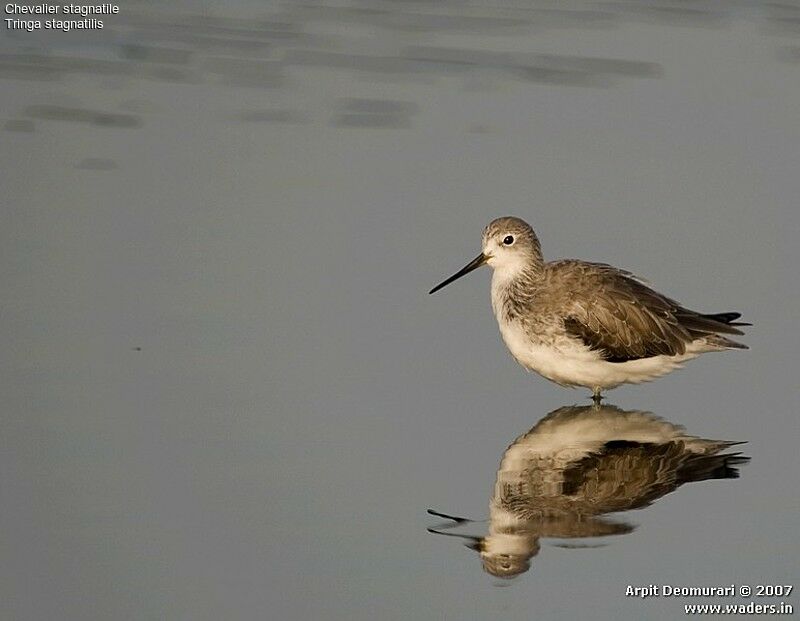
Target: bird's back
612 310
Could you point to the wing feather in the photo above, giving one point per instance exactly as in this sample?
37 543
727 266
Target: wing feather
625 319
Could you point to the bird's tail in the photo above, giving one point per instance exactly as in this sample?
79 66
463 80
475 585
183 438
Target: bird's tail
713 329
724 342
724 322
728 318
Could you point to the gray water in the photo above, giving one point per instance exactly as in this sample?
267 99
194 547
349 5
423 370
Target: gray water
227 394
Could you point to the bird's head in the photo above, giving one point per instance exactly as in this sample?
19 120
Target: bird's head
508 244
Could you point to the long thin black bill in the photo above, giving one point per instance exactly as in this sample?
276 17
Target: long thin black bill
472 265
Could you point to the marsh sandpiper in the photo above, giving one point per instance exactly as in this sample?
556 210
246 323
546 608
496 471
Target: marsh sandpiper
588 324
562 478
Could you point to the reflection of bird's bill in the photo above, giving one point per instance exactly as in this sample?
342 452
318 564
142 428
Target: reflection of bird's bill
474 543
477 262
457 520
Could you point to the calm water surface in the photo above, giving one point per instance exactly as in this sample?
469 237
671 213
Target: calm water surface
226 392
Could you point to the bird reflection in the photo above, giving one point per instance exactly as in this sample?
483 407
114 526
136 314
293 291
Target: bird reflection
577 465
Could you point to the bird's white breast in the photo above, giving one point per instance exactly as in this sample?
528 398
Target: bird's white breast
570 363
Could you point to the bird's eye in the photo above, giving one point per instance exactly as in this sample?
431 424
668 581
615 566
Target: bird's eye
509 239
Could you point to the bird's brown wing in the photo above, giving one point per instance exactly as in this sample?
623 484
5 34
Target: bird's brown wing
625 475
613 312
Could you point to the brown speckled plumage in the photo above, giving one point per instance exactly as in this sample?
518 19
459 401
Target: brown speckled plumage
613 312
579 323
578 465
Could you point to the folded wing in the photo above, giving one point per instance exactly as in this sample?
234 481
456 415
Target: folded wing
627 320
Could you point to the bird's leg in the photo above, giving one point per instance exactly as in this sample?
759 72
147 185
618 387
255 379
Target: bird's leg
596 396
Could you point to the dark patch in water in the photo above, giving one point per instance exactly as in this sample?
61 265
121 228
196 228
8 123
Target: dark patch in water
82 115
379 106
385 113
97 163
153 54
20 125
273 116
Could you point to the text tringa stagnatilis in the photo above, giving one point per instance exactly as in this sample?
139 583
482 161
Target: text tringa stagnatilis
588 324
